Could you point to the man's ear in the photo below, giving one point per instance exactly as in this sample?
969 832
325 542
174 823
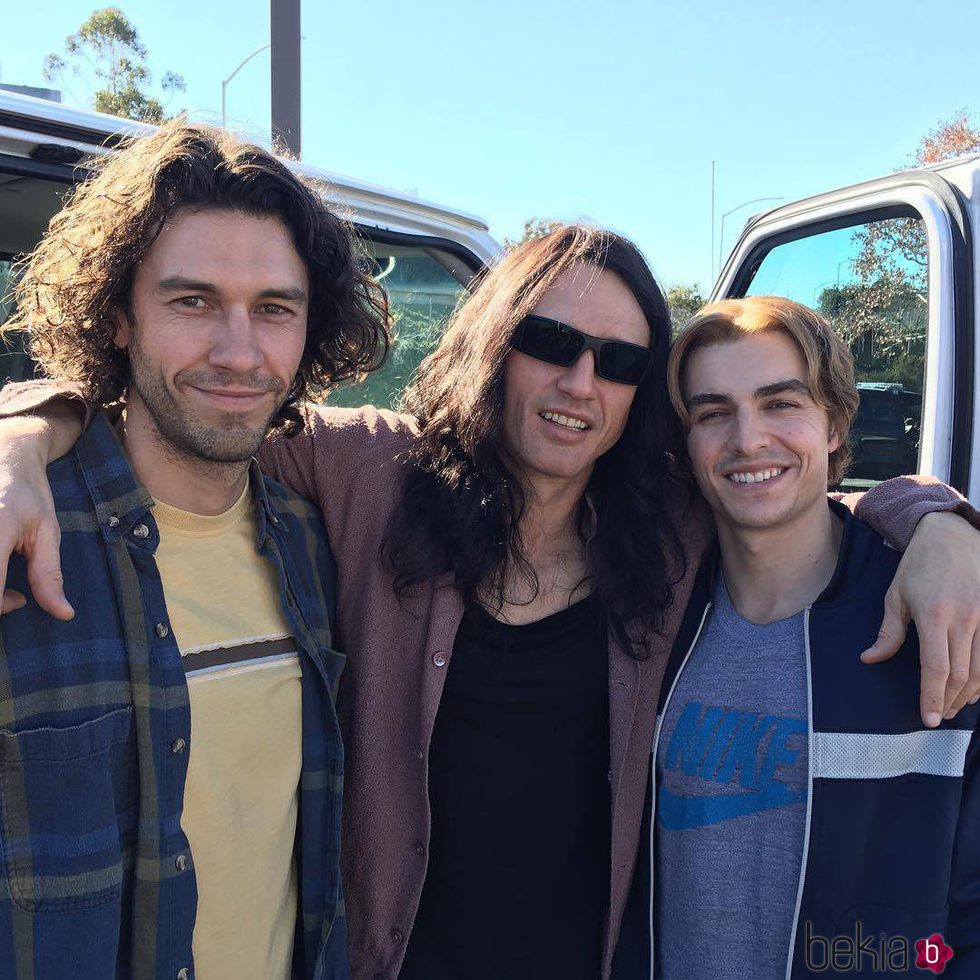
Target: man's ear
123 332
835 440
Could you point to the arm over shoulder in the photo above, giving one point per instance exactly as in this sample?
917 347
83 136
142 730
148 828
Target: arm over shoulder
895 507
31 397
342 459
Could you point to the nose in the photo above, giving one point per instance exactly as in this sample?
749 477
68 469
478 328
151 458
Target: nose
748 434
578 379
235 342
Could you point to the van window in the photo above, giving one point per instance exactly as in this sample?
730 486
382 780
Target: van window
15 365
423 287
869 280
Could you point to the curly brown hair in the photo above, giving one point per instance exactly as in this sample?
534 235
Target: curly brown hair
75 283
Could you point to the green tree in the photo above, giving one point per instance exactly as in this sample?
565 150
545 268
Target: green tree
889 342
533 228
684 302
107 54
887 312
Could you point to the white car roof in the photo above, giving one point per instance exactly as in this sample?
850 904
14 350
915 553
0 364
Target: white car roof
27 122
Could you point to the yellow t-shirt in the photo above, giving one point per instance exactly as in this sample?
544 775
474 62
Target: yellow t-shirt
240 799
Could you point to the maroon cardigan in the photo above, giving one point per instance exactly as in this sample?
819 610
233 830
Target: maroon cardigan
347 462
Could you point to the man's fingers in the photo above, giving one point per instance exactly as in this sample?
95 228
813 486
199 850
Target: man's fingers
43 556
958 689
891 634
970 692
12 599
934 659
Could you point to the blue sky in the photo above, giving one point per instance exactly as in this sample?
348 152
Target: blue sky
609 112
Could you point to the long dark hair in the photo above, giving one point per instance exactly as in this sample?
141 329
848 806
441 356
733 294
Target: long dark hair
79 278
461 508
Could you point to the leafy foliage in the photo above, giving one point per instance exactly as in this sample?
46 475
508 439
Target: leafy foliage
885 324
107 54
883 313
422 295
533 228
684 302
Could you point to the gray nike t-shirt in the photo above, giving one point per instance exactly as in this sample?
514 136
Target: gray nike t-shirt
731 801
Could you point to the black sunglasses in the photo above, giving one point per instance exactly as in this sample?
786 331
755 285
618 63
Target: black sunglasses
558 343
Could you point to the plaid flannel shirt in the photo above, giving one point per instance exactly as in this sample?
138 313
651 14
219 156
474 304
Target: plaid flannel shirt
96 876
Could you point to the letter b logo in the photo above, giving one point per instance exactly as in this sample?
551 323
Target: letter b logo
932 953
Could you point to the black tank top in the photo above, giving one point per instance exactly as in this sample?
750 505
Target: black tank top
518 873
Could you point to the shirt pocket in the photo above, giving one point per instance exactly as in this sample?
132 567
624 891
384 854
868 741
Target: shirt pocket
69 805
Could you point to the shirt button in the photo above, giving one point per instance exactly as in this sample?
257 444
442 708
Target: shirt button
183 973
439 658
420 755
177 746
397 935
113 521
161 630
181 863
141 531
419 849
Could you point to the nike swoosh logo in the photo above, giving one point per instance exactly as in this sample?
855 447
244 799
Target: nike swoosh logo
687 812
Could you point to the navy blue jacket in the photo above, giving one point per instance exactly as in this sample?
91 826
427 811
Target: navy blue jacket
892 844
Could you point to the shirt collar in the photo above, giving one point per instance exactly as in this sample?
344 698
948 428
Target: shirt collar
121 501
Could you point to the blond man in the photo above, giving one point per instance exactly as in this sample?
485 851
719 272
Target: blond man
803 818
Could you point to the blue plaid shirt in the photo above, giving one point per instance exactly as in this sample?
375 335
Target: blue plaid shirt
96 878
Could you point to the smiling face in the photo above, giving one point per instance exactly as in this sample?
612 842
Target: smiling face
559 420
215 333
758 442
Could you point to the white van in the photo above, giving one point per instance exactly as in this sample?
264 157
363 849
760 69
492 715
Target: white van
424 254
891 262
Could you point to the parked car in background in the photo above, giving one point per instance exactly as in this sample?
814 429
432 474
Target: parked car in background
886 430
891 262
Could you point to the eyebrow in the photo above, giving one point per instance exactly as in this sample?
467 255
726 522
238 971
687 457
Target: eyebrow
766 391
180 284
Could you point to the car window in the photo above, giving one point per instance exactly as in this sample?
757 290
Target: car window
870 281
423 286
15 365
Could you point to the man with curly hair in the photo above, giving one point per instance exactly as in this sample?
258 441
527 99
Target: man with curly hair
170 760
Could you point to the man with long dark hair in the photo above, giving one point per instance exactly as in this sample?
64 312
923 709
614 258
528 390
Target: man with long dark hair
514 555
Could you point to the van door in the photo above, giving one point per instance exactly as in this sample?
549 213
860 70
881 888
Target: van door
890 264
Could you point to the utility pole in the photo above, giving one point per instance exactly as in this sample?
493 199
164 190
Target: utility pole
285 34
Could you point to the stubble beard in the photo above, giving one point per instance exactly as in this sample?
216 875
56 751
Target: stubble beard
228 441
